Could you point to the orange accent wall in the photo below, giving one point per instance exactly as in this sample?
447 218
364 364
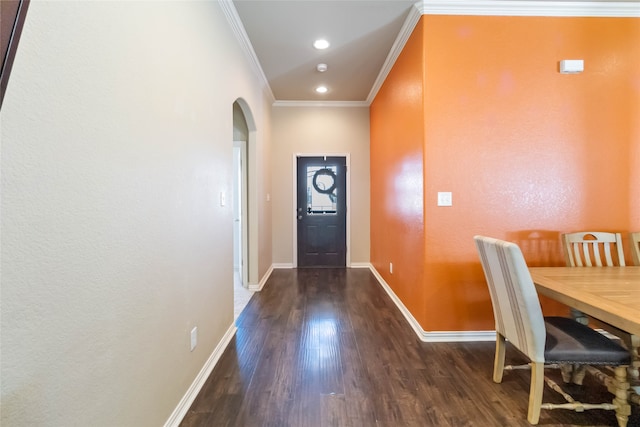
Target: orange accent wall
476 105
397 156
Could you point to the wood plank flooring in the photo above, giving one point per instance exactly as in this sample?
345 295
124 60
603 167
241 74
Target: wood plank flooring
327 347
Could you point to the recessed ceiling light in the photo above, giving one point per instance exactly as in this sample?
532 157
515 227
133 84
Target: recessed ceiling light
321 89
322 67
321 44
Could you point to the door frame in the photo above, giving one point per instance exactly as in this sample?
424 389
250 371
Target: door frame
244 208
294 207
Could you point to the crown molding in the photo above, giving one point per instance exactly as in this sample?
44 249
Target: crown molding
237 27
405 32
629 9
320 104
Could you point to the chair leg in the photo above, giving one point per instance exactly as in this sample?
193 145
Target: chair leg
578 374
498 363
566 369
634 346
632 342
578 316
535 392
620 389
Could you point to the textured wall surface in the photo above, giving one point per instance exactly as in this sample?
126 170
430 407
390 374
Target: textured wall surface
116 143
397 156
527 152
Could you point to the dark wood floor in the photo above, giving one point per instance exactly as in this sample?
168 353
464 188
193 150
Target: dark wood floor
327 347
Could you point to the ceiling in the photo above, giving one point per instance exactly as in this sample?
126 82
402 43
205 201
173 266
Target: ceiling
361 33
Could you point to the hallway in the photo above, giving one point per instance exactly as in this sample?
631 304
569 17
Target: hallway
327 347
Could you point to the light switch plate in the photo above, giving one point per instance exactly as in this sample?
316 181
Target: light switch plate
445 198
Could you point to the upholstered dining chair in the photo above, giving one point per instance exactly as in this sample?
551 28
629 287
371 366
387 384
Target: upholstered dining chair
544 341
593 248
635 247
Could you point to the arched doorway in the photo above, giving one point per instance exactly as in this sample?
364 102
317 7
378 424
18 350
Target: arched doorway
243 228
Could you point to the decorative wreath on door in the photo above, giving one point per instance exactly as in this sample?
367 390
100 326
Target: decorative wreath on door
324 172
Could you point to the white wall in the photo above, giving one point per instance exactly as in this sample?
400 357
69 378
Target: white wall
116 143
319 130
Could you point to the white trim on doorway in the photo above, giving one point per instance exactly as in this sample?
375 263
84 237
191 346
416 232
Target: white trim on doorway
240 209
347 157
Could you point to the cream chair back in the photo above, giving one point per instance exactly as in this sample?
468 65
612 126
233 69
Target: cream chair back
516 307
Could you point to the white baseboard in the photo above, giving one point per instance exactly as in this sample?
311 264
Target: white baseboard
352 265
361 265
283 265
258 287
185 403
458 336
432 336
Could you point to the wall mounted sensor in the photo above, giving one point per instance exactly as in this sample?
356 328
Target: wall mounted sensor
571 66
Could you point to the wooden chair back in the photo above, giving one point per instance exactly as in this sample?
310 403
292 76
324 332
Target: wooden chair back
593 248
587 249
635 247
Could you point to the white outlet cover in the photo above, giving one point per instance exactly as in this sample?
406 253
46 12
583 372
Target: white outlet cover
445 198
571 66
194 338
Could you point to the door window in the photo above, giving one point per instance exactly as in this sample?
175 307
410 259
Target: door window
322 194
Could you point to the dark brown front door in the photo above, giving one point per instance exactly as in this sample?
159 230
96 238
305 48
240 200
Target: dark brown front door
322 211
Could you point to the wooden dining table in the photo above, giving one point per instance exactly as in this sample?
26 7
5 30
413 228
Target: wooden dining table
610 294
